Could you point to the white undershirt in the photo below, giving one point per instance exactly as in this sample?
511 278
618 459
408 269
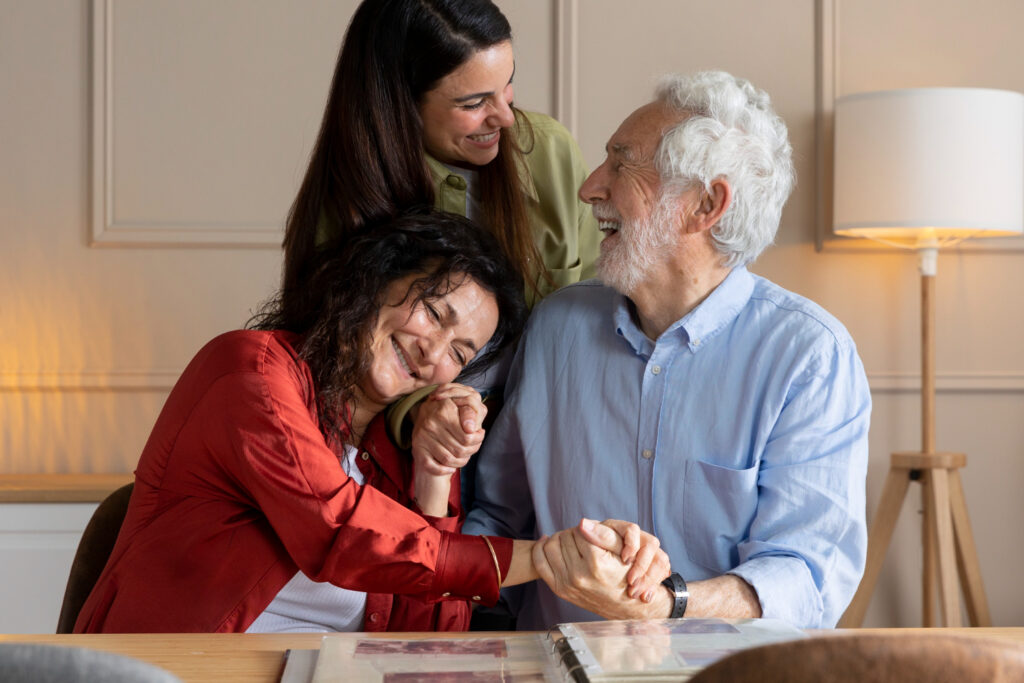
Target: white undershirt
307 606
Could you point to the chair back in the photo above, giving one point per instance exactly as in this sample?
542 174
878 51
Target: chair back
91 557
932 657
39 663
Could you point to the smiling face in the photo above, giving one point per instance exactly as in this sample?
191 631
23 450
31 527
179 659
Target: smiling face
636 216
417 343
465 112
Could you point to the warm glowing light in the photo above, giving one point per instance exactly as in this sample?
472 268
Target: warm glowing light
929 167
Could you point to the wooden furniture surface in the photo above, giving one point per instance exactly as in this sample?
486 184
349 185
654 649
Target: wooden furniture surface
224 657
934 655
60 488
205 657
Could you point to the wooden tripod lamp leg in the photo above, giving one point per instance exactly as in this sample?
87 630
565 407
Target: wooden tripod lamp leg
929 554
967 555
937 488
896 484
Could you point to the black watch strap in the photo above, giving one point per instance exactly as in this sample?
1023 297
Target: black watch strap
681 595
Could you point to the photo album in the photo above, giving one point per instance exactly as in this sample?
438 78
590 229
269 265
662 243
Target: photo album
647 650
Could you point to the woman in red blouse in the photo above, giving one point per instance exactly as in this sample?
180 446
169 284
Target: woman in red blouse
269 497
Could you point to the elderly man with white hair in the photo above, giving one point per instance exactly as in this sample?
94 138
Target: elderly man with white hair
720 412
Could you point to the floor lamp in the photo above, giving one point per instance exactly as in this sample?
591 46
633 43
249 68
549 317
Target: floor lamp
923 169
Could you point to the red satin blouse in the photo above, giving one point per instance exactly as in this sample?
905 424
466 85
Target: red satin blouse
236 490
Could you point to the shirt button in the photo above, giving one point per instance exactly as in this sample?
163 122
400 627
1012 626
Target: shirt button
656 370
365 456
476 598
374 617
446 594
647 453
456 182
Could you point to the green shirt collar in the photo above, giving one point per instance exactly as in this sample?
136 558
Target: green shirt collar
439 173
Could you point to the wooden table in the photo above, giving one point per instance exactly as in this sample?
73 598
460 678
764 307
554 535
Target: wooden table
223 657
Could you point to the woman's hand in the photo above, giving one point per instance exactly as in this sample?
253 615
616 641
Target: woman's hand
650 564
448 429
584 565
585 574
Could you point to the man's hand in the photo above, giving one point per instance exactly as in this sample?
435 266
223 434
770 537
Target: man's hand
594 577
448 429
650 564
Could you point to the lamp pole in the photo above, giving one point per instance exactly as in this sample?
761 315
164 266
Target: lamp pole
933 471
949 554
927 260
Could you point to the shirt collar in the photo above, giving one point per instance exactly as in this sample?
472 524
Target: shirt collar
719 309
439 172
626 327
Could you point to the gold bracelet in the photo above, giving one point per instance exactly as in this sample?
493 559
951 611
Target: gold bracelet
494 556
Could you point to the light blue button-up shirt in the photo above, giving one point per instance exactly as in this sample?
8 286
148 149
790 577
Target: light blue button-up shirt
739 438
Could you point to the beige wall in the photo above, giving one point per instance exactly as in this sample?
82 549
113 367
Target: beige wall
149 151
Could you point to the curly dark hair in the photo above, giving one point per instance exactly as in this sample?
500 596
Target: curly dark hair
334 308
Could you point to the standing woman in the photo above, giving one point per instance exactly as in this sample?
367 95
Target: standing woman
421 112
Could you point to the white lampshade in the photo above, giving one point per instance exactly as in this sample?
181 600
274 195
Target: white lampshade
929 164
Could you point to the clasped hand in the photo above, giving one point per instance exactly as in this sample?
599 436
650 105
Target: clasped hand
613 569
448 429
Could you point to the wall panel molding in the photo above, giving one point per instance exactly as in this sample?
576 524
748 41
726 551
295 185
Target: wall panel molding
949 383
566 66
827 89
826 77
106 229
102 380
164 380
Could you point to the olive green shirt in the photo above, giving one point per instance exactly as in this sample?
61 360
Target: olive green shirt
564 228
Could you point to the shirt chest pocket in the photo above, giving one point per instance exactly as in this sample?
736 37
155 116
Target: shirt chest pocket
718 506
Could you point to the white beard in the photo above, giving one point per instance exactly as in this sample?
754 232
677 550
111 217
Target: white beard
642 244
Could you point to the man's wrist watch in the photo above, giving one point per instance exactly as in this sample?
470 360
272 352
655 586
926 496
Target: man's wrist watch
680 594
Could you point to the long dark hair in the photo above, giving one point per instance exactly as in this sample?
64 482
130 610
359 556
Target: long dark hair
368 162
334 307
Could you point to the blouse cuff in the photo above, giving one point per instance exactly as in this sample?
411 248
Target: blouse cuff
468 570
449 523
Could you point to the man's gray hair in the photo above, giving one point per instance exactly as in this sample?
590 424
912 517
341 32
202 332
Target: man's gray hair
731 131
